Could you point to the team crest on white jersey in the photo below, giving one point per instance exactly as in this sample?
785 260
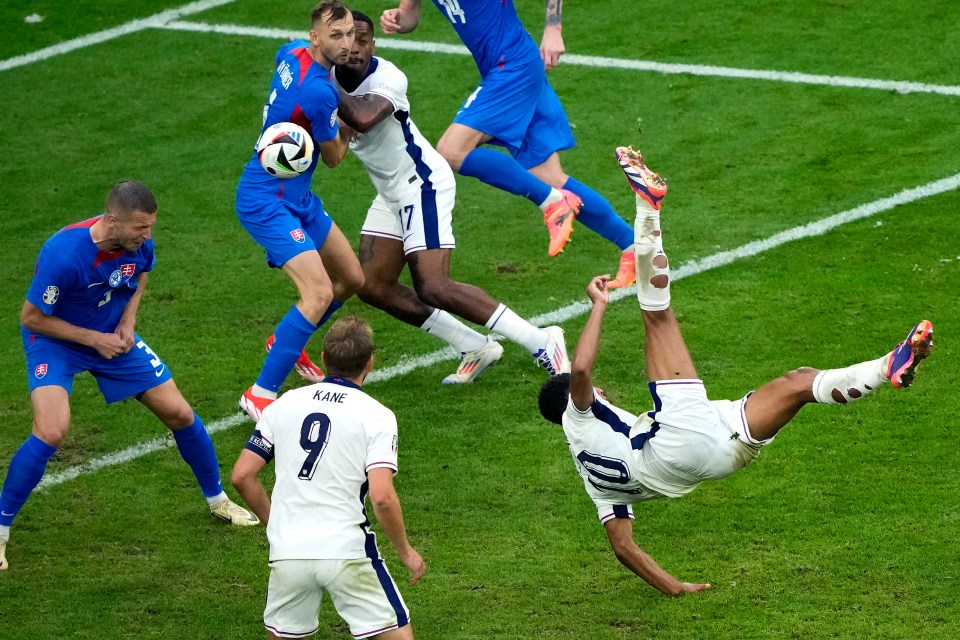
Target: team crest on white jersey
40 371
51 295
394 445
298 235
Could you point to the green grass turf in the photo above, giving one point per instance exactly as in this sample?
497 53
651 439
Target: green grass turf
845 526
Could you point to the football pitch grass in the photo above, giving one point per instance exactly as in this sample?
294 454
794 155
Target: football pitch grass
845 527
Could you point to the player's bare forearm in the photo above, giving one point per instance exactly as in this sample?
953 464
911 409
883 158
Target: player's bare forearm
588 345
551 46
554 13
333 151
620 533
33 319
125 328
245 479
365 112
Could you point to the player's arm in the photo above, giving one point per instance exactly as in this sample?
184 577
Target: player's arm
33 319
246 480
551 47
620 533
386 506
363 113
125 328
333 151
581 367
403 19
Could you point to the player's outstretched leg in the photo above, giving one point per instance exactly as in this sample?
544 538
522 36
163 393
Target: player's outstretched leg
774 404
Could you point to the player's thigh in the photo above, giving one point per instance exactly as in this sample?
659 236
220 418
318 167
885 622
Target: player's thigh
367 598
381 247
309 275
130 374
504 104
294 592
341 264
51 413
167 403
547 133
279 227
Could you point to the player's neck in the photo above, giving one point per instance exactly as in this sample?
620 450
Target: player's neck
100 234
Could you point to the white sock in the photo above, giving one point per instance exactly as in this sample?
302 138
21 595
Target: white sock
213 501
652 263
840 386
514 328
260 392
555 196
449 329
5 533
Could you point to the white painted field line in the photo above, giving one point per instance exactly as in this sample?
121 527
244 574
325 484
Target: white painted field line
133 26
606 63
572 310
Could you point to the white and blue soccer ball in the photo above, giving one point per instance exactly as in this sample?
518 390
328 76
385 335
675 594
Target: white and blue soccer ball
285 150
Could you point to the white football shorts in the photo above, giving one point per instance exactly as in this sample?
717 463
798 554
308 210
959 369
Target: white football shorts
706 439
362 591
422 219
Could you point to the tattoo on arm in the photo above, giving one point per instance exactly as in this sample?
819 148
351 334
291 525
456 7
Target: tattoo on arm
554 12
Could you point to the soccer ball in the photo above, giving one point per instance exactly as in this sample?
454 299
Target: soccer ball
285 150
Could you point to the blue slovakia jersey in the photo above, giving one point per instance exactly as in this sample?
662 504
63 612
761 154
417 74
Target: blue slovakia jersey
300 92
77 282
491 30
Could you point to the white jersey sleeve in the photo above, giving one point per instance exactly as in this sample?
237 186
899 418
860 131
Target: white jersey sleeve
382 442
391 83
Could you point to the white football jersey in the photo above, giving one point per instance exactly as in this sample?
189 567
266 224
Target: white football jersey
394 152
323 438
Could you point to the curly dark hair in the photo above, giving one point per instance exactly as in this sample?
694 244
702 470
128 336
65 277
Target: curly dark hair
553 398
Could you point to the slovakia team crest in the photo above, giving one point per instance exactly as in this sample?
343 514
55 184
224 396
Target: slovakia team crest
115 278
51 295
298 235
128 269
40 371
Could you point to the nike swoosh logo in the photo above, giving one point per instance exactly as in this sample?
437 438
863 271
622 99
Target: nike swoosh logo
160 371
93 284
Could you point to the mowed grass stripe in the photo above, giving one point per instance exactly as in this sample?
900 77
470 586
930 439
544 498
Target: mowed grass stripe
567 312
109 34
898 86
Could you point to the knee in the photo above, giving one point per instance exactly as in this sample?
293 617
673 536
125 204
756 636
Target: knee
374 292
51 432
315 300
178 417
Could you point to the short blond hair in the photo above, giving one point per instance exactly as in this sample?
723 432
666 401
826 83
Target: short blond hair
347 347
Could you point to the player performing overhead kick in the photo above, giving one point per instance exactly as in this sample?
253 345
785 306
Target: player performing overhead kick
686 439
410 222
515 107
80 315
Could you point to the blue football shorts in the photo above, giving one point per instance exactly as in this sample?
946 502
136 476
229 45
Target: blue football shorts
517 106
51 362
283 228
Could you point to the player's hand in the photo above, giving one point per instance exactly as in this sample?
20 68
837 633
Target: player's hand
690 587
597 290
412 561
109 345
125 333
393 21
551 47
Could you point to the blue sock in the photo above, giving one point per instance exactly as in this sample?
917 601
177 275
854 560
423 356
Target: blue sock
597 214
290 338
196 448
24 474
336 304
503 172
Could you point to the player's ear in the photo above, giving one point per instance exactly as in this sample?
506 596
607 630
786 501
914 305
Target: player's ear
323 359
369 366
